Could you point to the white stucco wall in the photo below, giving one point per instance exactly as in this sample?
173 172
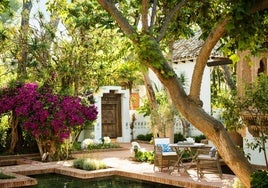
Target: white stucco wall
142 124
187 69
256 157
97 130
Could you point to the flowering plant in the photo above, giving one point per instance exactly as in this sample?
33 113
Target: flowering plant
106 140
86 143
45 115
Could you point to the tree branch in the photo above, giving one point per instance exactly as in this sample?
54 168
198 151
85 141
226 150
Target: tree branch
168 20
153 14
228 77
144 14
203 56
109 6
214 36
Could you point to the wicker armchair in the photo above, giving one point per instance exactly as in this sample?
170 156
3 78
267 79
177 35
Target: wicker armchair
163 155
208 162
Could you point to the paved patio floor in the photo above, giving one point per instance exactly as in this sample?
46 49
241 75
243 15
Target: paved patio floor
121 163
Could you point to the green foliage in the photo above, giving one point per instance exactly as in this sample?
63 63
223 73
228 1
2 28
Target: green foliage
144 156
257 143
98 54
3 133
76 146
8 10
259 179
199 138
161 99
145 108
231 109
78 163
254 103
147 137
103 146
89 164
148 51
255 100
251 25
178 137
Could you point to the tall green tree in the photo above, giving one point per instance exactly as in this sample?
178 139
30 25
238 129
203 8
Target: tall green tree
93 52
217 19
82 55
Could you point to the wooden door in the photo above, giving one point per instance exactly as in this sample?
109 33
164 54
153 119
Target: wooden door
111 115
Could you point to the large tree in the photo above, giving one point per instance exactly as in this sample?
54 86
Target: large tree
159 20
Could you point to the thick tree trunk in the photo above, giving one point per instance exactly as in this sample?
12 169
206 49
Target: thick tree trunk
212 128
48 150
189 106
14 133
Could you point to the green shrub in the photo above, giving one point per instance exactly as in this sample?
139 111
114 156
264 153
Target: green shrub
89 164
144 156
141 137
147 137
76 146
78 163
259 179
178 137
199 138
103 146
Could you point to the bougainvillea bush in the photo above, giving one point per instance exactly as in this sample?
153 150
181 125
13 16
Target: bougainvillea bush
49 117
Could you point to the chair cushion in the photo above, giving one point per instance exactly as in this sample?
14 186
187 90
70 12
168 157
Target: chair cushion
212 152
165 148
205 157
172 153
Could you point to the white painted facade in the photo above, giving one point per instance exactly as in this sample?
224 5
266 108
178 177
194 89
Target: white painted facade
142 124
256 157
187 70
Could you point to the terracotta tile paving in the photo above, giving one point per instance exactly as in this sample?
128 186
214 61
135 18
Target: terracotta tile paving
120 163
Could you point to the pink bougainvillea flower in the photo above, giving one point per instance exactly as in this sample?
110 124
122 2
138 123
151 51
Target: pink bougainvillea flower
46 115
